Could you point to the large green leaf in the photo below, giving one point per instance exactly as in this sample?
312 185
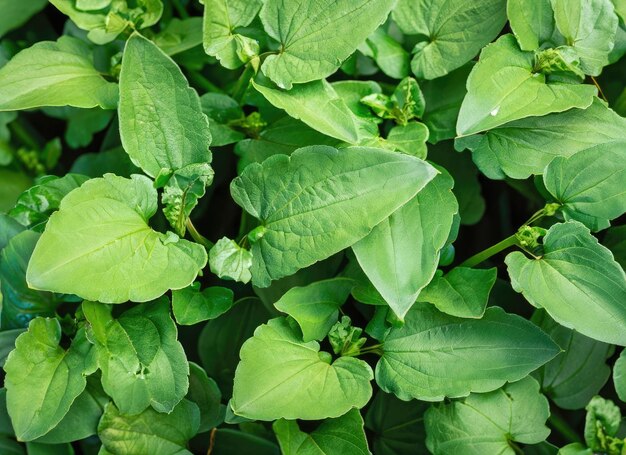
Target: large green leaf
13 14
435 355
589 26
578 373
453 31
149 432
318 105
503 87
590 183
401 254
221 40
344 434
20 304
532 22
142 362
161 122
54 74
316 36
190 305
316 307
486 423
280 376
43 379
111 247
204 392
321 200
525 147
577 281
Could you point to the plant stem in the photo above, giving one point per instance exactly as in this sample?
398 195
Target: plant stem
563 428
595 82
492 250
182 12
199 238
202 82
373 349
22 133
516 448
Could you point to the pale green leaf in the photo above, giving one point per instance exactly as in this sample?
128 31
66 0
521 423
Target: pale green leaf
280 376
525 147
318 105
453 31
161 121
13 14
142 362
410 139
435 355
42 378
320 201
180 35
149 432
113 250
316 36
577 281
589 26
401 254
462 292
532 22
619 376
603 419
54 73
502 87
190 305
230 261
578 373
316 307
344 434
486 423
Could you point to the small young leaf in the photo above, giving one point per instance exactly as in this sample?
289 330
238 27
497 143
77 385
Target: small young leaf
316 307
434 355
280 376
344 434
230 261
486 423
55 73
191 306
161 122
602 420
577 281
112 248
532 22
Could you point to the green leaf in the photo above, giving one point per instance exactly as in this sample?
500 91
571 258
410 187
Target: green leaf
20 303
230 261
502 87
316 307
389 55
9 228
344 434
316 37
204 392
525 147
112 248
578 373
233 442
14 14
486 423
532 22
142 362
223 112
410 139
42 378
54 73
453 31
318 105
577 281
401 254
150 431
397 426
280 376
590 182
13 184
590 27
462 292
114 161
328 200
575 448
7 343
182 191
221 340
346 339
619 376
615 240
191 306
161 121
221 20
34 206
180 35
435 355
603 419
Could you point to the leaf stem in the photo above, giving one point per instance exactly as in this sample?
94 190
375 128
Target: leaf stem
373 349
515 448
491 251
24 135
563 428
199 238
182 12
595 82
198 79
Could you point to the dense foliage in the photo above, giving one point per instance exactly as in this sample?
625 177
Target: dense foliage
312 227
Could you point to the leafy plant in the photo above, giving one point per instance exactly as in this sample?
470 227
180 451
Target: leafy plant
278 226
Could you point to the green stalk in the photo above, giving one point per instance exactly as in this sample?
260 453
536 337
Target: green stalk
199 238
563 428
491 251
202 82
